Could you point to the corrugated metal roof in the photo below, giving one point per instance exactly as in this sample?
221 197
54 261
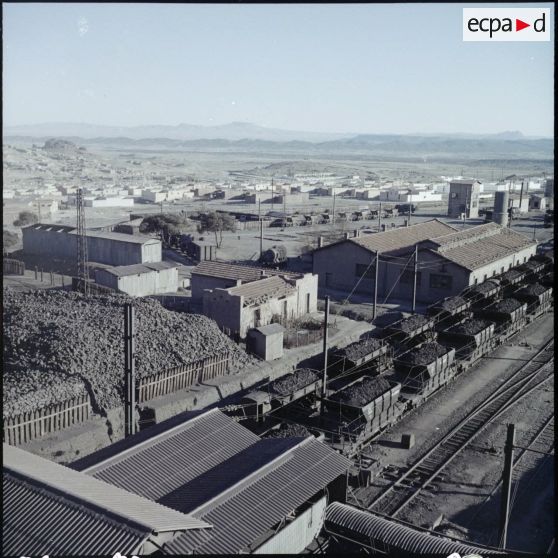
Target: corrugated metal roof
249 511
93 492
402 237
158 465
245 273
468 235
121 237
137 269
344 519
271 287
486 250
52 227
39 521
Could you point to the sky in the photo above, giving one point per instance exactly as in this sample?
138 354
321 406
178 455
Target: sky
360 68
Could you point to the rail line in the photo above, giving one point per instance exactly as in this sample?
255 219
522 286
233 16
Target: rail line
526 379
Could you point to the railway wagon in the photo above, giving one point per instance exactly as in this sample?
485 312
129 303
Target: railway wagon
424 369
508 314
409 328
371 355
487 290
366 406
471 339
547 279
538 298
280 392
533 268
511 279
450 306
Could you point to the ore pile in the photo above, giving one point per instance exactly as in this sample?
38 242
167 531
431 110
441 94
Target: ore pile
55 342
425 354
535 289
451 304
291 382
470 327
388 318
485 287
363 392
506 305
362 348
412 323
290 431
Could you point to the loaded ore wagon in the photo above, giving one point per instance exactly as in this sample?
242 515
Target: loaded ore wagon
511 279
424 369
365 406
280 392
508 314
450 311
538 298
370 355
547 279
408 330
471 339
533 268
488 290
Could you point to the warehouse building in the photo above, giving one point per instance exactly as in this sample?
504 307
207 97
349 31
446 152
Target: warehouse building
464 198
140 279
111 248
448 260
54 510
259 496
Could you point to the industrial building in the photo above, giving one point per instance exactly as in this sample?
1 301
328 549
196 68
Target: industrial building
448 260
54 510
111 248
464 198
259 495
140 279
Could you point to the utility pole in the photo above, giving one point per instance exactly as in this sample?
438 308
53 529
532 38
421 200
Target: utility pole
534 232
284 208
521 195
82 274
506 485
333 212
272 192
415 262
410 207
380 217
324 386
376 285
130 370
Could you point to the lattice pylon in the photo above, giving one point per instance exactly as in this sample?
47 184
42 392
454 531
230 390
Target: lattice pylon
82 273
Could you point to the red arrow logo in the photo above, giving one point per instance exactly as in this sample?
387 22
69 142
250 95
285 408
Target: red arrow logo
519 25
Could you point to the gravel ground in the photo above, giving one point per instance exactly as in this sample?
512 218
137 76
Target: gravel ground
65 342
470 327
291 382
425 354
363 392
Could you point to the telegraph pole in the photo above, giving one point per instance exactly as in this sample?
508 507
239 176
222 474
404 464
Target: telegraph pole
272 192
284 208
324 386
415 262
506 486
376 285
333 213
380 217
130 370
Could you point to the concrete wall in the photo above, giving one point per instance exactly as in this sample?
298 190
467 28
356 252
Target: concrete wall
503 264
200 283
142 284
224 308
463 198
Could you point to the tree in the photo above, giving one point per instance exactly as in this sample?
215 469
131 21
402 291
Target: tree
217 223
26 218
9 239
167 224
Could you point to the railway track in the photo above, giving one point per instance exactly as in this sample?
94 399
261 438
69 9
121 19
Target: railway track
409 485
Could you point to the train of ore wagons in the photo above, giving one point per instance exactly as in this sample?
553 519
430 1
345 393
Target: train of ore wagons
373 383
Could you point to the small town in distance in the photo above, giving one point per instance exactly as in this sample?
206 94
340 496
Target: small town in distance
233 338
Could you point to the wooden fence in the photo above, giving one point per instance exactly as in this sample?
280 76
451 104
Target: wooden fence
182 377
29 426
12 267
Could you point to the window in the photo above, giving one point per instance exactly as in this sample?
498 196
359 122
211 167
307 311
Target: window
524 259
476 281
502 269
407 277
438 281
485 276
307 303
285 309
366 270
493 272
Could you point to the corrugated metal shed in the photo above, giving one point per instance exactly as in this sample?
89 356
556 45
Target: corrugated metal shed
248 510
402 237
159 464
39 521
245 273
91 492
121 237
391 536
136 269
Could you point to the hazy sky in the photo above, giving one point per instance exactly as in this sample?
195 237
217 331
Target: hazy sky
327 68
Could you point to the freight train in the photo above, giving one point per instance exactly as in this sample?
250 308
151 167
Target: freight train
374 382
